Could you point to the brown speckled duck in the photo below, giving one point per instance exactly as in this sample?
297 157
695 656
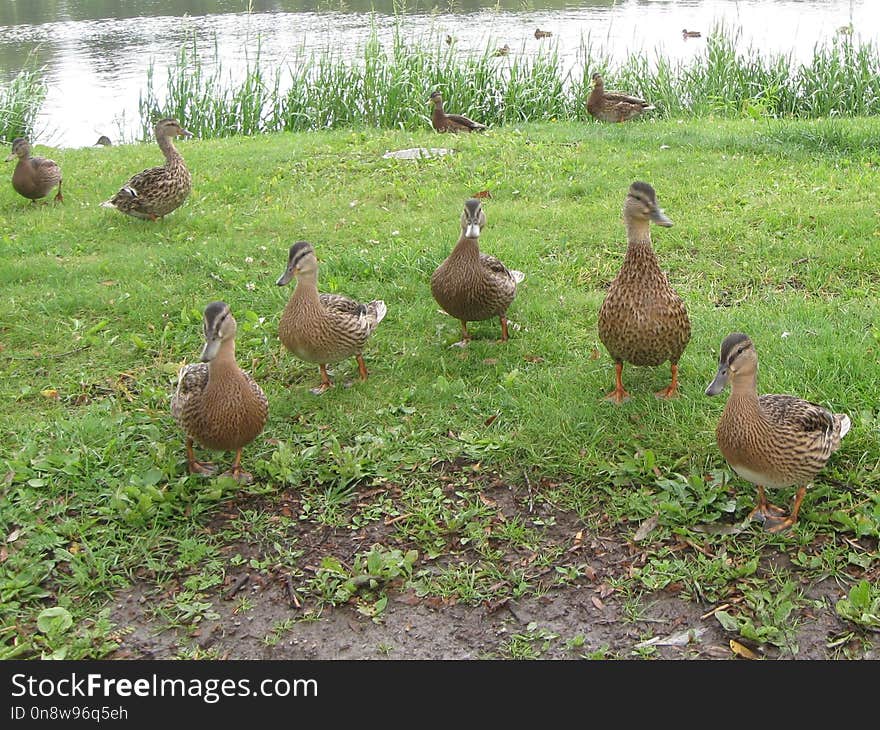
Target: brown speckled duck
770 440
216 403
613 106
542 33
323 328
643 320
155 192
33 177
471 285
443 122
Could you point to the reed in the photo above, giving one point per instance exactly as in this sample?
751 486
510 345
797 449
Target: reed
20 102
387 85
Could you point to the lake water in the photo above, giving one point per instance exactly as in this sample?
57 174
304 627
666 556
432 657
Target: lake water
96 52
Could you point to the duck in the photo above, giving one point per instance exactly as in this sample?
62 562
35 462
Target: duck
34 177
643 320
216 403
542 33
154 193
614 106
685 33
448 40
103 141
470 285
323 328
443 122
502 51
773 441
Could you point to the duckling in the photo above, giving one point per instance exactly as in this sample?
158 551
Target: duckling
685 33
323 328
643 320
216 403
770 440
155 192
443 122
470 285
33 177
614 106
502 51
542 33
103 141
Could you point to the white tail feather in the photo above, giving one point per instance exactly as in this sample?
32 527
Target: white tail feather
381 310
845 424
107 204
518 276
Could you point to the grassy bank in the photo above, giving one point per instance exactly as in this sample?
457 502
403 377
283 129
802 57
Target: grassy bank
775 235
386 86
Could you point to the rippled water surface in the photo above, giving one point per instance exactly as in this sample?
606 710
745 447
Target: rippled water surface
96 52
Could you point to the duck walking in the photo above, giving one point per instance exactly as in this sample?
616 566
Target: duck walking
216 403
614 106
643 320
443 122
34 177
772 441
471 285
155 192
323 328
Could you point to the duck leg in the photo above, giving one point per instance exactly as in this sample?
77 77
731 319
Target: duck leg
237 473
58 196
325 381
778 521
465 335
504 334
618 395
767 513
197 467
362 367
671 390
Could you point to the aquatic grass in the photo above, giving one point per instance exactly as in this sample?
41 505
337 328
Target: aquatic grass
387 85
20 102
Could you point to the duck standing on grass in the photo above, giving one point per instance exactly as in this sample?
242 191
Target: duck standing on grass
471 285
323 328
33 177
443 122
770 440
216 403
643 320
613 106
155 192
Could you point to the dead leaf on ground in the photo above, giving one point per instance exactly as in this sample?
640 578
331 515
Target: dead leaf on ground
646 528
483 194
14 535
597 602
490 420
595 354
679 638
49 393
741 650
488 502
533 358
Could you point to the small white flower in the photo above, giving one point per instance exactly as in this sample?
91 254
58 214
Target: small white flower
250 286
395 233
249 259
785 334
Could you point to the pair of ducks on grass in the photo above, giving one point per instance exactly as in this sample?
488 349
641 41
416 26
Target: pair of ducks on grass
771 440
606 106
150 194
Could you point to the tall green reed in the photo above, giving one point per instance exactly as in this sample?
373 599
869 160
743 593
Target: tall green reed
20 102
387 85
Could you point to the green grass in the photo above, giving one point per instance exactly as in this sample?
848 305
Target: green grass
387 86
776 235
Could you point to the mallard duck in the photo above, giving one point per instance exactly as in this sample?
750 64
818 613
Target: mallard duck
448 40
502 51
643 320
157 191
542 33
443 122
33 177
690 33
103 141
216 403
470 285
770 440
323 328
614 106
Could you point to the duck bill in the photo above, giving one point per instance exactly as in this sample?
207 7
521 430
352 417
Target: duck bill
210 350
659 217
472 231
10 157
286 277
185 133
720 381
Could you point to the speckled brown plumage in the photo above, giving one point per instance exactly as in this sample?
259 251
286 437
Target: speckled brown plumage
443 122
33 177
612 106
216 403
643 320
770 440
471 285
155 192
323 328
